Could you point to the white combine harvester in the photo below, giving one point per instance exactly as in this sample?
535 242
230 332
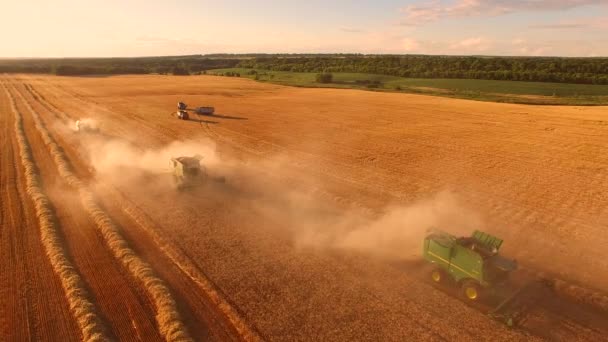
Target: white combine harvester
188 172
86 125
182 111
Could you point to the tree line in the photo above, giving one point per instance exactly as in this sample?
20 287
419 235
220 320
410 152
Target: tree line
539 69
530 69
181 65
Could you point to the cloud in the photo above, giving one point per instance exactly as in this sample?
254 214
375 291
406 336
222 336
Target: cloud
558 26
421 14
351 29
582 23
534 51
410 44
147 39
470 42
155 39
435 10
159 45
522 47
474 44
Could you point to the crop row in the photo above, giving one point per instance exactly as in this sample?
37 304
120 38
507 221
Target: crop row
245 331
168 318
81 307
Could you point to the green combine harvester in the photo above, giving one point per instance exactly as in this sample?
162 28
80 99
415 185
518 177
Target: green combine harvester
474 265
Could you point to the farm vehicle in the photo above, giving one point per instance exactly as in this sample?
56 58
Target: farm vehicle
188 172
86 125
183 111
483 276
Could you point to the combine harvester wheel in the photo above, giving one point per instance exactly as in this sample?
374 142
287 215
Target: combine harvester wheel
471 290
437 275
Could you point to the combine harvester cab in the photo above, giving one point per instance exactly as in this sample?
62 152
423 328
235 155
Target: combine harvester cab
188 172
475 266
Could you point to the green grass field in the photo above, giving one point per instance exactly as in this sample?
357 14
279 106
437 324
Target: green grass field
484 90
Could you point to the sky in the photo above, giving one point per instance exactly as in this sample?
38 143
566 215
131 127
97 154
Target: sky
106 28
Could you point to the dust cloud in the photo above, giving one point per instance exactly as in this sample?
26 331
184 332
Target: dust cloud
396 232
316 222
85 124
118 157
266 189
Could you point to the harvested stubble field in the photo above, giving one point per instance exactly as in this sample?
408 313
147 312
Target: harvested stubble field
316 233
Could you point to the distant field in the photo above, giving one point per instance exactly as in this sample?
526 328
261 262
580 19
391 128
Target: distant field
316 233
484 90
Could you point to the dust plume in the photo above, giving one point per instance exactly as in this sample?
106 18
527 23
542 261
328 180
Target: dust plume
85 124
319 219
108 157
397 232
268 186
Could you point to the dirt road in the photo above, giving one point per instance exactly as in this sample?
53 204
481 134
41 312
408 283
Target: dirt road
304 166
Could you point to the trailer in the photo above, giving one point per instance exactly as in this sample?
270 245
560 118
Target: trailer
204 110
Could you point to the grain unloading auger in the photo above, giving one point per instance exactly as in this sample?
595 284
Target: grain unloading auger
482 275
183 111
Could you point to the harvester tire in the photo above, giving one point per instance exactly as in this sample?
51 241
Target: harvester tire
438 276
471 290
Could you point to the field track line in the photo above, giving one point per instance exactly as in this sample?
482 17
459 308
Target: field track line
184 263
84 311
168 318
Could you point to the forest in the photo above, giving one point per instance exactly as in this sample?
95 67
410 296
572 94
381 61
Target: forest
530 69
177 65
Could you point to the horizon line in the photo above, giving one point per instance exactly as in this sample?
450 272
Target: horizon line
299 54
